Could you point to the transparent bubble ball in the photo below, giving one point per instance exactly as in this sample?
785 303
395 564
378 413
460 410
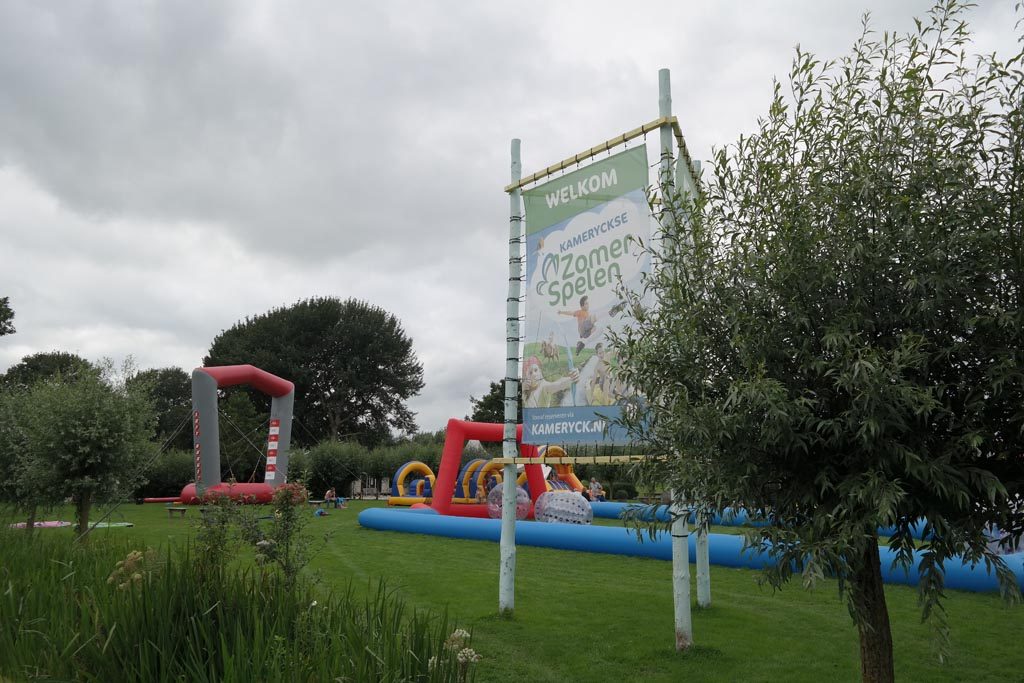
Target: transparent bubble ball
567 507
494 503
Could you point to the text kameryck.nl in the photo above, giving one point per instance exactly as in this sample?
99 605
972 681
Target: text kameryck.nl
568 427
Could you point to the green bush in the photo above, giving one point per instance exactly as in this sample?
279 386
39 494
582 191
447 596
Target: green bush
299 466
109 612
280 543
168 474
624 492
334 464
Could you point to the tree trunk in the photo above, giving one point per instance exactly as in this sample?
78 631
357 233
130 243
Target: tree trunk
876 665
83 503
30 523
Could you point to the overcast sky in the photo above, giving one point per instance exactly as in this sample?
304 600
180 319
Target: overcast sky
168 168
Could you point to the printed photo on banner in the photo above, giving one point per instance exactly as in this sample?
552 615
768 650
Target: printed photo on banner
584 232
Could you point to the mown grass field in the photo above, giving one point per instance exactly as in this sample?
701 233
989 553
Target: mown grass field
589 617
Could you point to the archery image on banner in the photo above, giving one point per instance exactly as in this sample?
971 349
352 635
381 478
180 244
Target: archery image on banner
583 234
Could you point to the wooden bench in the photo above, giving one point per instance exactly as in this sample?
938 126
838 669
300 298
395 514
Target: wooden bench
180 510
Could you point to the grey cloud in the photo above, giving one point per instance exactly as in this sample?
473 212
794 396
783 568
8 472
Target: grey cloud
168 168
323 134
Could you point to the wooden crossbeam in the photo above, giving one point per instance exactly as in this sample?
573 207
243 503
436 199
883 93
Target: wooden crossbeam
576 460
607 145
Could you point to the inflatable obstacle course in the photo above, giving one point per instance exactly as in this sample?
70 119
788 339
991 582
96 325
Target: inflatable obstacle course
414 483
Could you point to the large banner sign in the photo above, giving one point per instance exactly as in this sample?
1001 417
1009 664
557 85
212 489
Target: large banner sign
583 234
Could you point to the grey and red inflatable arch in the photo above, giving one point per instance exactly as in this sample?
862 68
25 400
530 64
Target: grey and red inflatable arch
206 432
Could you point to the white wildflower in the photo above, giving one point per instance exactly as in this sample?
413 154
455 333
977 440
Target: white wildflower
457 639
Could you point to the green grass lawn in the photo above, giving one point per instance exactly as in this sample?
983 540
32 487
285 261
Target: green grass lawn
591 617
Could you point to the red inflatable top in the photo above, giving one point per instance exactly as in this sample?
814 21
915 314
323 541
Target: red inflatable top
231 375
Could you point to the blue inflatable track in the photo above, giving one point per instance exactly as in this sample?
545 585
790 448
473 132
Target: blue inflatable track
724 550
728 517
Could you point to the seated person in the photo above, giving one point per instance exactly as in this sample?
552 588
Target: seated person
596 490
555 482
330 498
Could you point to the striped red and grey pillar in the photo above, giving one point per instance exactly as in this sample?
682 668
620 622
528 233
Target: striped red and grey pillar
199 450
272 445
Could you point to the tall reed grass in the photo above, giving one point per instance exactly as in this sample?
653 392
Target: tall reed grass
71 613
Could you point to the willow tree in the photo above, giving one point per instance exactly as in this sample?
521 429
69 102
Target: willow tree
839 336
85 438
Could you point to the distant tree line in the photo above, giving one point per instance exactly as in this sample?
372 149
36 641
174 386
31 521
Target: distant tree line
352 363
353 367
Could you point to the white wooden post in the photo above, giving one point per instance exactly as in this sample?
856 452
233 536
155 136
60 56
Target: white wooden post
703 569
507 580
680 527
688 184
681 574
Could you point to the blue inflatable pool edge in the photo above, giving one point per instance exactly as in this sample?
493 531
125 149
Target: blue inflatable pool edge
723 549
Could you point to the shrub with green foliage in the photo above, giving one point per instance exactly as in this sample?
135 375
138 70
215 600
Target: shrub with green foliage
280 543
299 466
388 459
334 464
167 474
624 492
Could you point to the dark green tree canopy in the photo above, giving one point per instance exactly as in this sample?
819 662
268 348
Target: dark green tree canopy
6 316
839 334
491 406
352 364
170 390
46 365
